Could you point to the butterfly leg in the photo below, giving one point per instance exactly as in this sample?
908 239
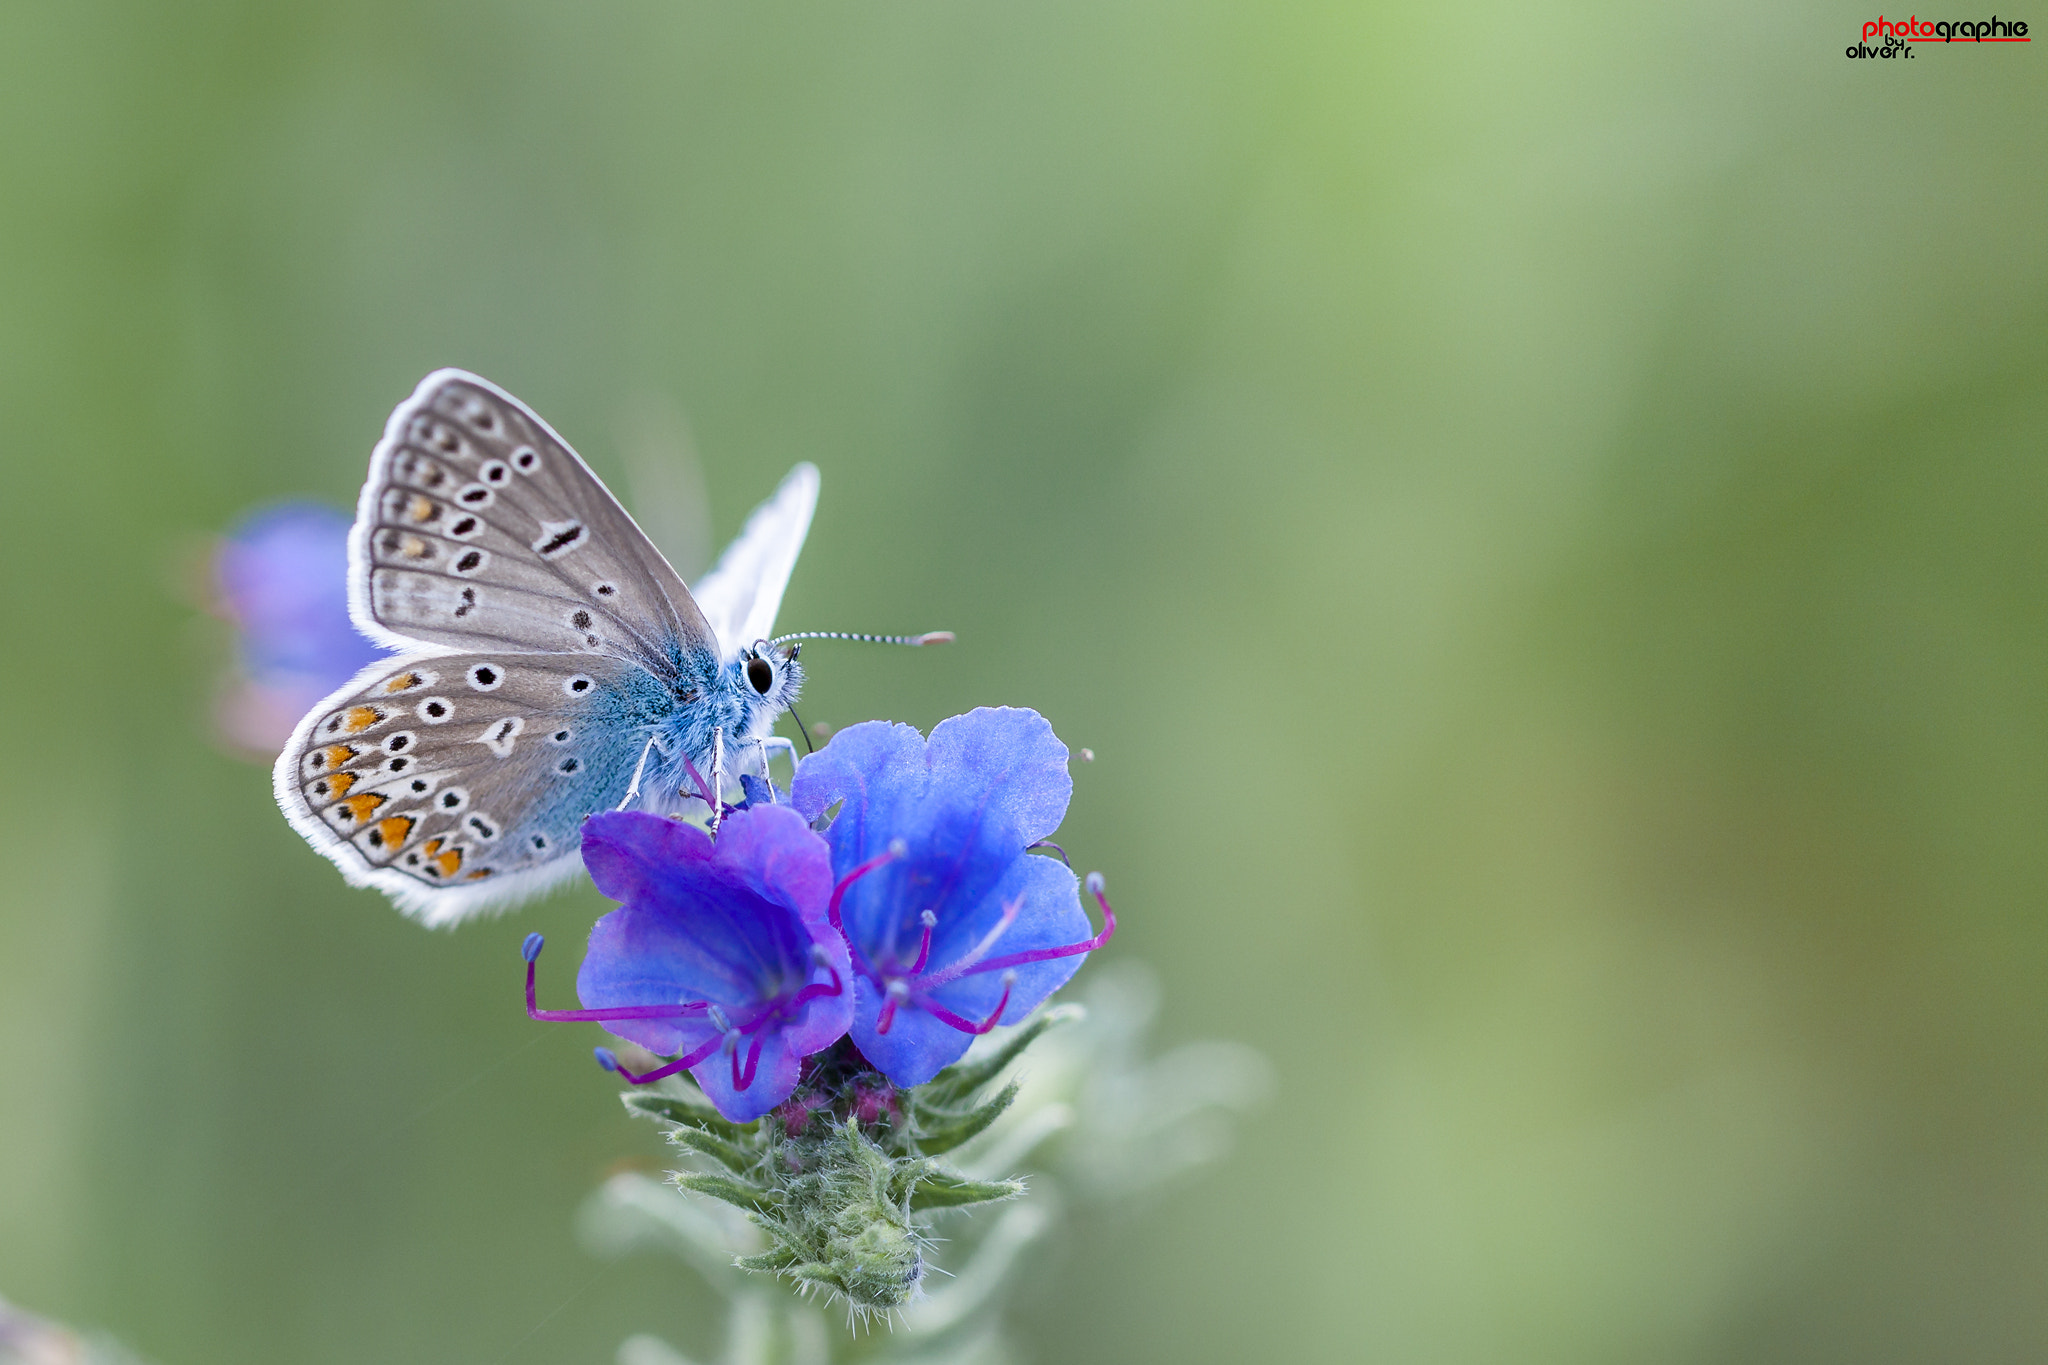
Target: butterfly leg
717 776
639 770
774 742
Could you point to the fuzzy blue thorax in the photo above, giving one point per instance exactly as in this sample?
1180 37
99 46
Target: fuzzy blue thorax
700 715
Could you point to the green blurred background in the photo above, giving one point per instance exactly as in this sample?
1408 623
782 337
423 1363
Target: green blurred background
1541 513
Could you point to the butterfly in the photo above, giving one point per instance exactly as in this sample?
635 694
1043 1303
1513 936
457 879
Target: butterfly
551 663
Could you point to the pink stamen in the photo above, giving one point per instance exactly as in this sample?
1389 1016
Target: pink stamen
740 1082
965 965
816 990
898 993
1009 960
952 1020
684 1063
533 1011
924 944
882 859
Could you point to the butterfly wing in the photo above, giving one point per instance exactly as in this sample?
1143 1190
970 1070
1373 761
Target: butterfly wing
740 596
480 529
457 781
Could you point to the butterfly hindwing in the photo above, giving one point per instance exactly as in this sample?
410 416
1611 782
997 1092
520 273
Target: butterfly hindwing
450 781
480 528
550 658
742 594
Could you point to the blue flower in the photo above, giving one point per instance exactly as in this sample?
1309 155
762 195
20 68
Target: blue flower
953 925
720 951
282 579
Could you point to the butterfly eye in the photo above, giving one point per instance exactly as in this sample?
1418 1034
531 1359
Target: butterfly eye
760 675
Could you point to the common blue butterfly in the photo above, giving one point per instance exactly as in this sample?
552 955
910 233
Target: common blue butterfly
551 665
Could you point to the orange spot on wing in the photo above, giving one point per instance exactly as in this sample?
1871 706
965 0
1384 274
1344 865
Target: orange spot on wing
420 509
339 784
403 682
433 846
478 875
392 830
358 808
448 862
361 718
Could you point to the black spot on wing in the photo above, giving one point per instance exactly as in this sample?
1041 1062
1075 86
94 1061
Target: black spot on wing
557 538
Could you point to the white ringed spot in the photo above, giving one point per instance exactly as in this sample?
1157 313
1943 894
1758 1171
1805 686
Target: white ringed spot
559 537
500 735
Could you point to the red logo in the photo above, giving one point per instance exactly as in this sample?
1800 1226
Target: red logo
1897 36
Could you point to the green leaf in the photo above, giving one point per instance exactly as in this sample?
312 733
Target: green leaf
733 1158
962 1079
942 1131
781 1258
943 1190
665 1108
746 1196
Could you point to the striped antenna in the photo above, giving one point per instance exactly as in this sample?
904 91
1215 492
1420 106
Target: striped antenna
930 637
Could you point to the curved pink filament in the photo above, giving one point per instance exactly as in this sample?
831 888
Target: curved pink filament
533 1011
881 859
816 989
924 949
683 1063
1008 960
964 964
740 1082
952 1020
887 1017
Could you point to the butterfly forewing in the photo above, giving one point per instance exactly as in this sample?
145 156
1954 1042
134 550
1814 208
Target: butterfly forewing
481 528
441 779
457 780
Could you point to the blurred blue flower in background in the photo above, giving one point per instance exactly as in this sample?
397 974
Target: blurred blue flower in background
282 578
931 842
720 951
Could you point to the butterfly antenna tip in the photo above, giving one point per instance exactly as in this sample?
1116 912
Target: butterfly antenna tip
930 637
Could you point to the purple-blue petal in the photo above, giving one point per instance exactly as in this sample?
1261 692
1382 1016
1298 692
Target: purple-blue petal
1011 757
875 772
283 577
918 1045
737 923
775 1075
967 803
